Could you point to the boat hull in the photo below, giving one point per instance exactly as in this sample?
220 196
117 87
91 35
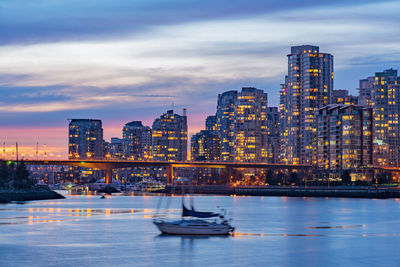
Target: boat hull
187 229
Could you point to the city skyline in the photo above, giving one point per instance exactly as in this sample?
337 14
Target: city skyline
44 150
114 72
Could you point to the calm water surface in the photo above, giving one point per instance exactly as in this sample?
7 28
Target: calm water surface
271 231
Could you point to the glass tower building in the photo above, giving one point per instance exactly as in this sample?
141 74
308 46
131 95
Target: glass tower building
85 140
242 125
385 101
345 140
137 140
170 137
308 87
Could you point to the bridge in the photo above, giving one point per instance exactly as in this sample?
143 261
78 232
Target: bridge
109 165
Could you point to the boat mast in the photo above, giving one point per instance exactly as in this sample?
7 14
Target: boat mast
183 195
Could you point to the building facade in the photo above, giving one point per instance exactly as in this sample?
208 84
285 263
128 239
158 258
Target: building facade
286 148
242 125
226 123
365 91
308 87
205 146
250 127
116 148
85 140
273 141
137 141
343 97
345 138
212 123
385 101
169 141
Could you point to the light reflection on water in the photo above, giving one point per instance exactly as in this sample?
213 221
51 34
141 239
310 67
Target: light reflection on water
48 213
270 231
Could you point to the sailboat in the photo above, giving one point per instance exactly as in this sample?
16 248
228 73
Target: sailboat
195 226
194 223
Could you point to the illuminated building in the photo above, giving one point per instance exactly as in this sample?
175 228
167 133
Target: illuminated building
242 125
365 91
284 120
381 153
116 148
85 139
137 140
205 145
226 123
212 123
273 135
385 101
106 149
170 137
343 97
345 140
308 87
250 131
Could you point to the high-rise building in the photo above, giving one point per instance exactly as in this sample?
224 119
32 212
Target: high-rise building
343 97
205 146
85 139
116 148
226 123
273 135
250 131
211 123
365 91
170 137
345 140
308 87
242 125
286 148
385 101
137 141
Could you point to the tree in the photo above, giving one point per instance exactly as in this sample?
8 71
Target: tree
269 177
384 178
294 177
281 177
4 174
22 179
346 178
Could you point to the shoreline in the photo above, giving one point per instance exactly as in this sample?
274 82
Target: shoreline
8 195
312 191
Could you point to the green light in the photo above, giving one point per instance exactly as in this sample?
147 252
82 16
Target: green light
82 162
9 162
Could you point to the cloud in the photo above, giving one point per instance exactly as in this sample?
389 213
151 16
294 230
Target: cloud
53 21
218 49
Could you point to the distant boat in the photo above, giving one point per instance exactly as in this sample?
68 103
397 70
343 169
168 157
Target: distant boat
195 226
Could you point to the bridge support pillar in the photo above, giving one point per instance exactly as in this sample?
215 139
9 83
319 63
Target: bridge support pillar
170 174
109 175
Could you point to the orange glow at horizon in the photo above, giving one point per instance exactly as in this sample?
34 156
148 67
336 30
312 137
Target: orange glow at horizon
53 141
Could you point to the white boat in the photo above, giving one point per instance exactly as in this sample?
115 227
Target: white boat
193 227
219 226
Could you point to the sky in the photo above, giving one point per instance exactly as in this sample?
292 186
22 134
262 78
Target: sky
120 60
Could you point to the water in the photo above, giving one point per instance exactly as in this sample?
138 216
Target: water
273 231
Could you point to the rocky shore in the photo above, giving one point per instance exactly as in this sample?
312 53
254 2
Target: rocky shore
32 193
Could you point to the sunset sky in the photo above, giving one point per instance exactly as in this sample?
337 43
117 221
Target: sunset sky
120 61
